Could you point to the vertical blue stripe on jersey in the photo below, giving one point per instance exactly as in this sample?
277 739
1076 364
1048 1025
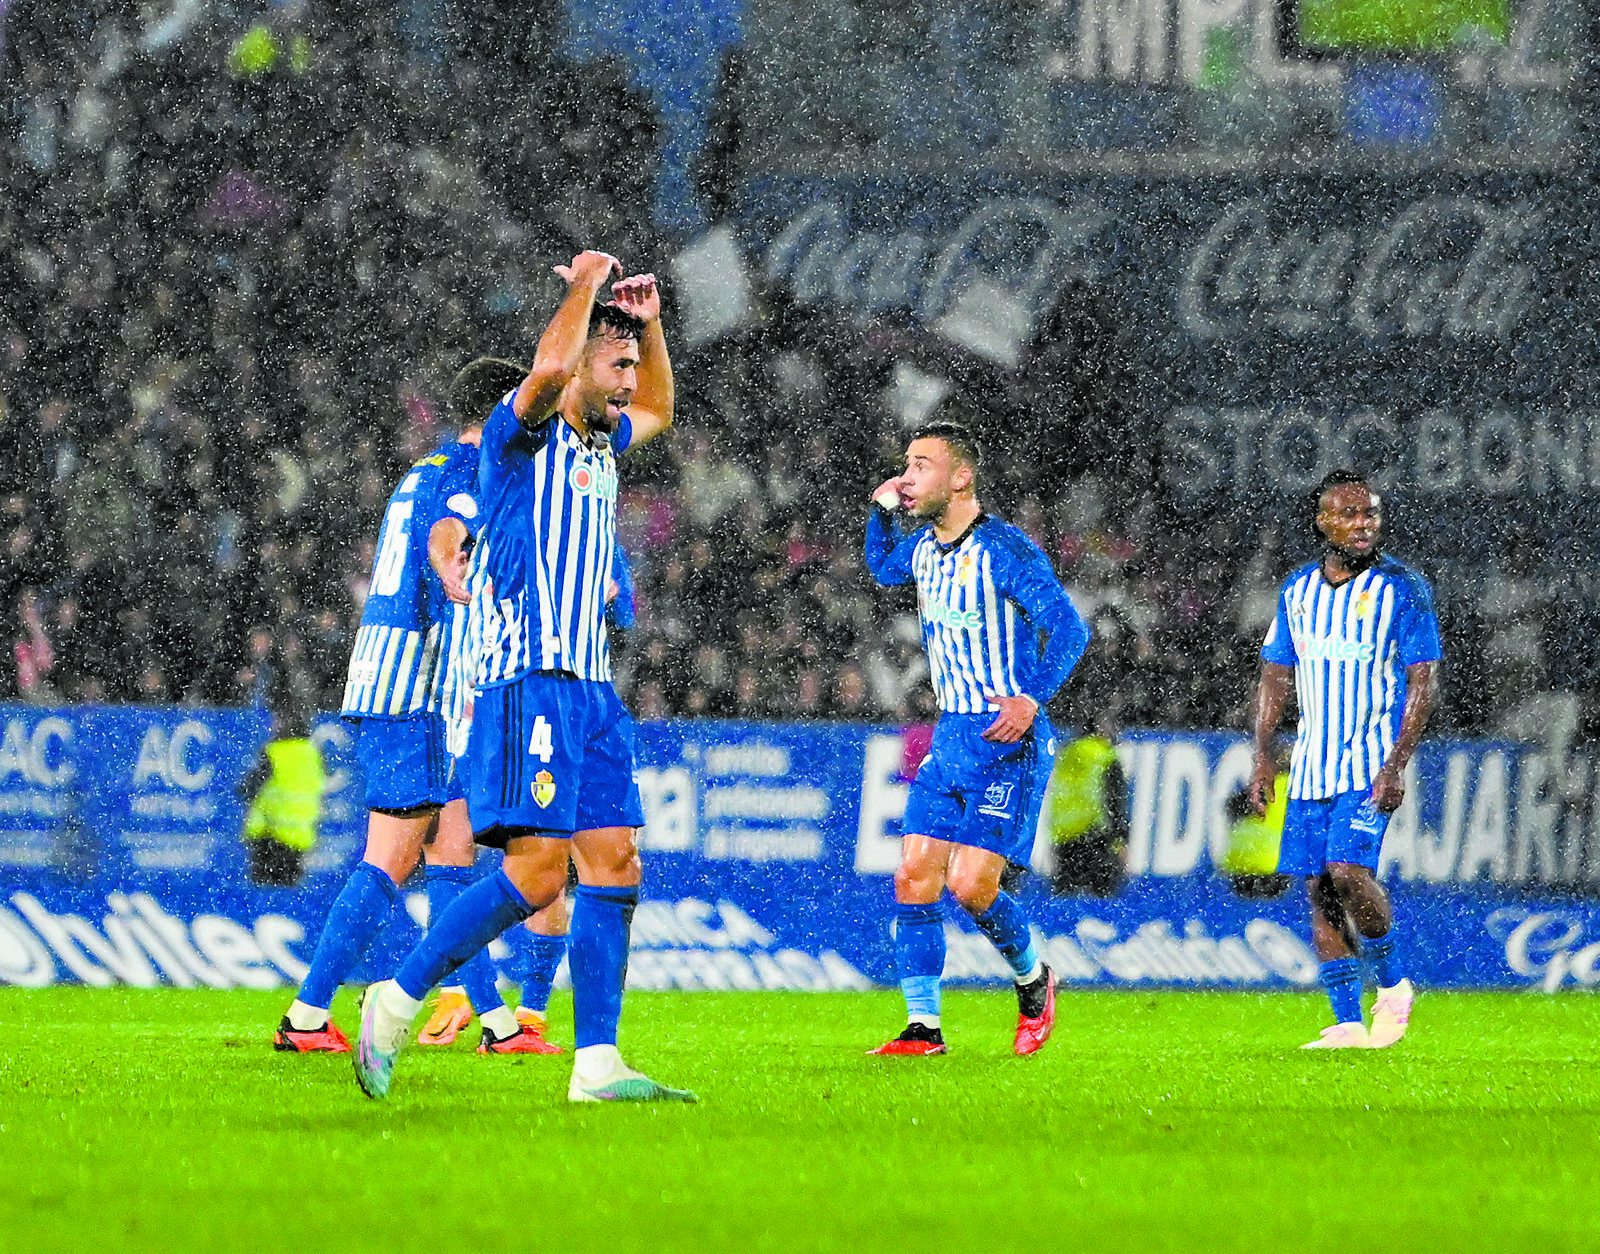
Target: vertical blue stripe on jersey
369 680
391 643
1389 676
398 687
543 509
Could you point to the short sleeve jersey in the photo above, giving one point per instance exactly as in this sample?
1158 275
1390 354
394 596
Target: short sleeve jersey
1349 646
408 623
543 557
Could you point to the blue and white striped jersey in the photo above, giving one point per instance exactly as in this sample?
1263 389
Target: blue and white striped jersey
1350 646
408 624
539 570
996 621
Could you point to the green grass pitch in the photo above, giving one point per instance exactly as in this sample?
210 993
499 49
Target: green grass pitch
162 1120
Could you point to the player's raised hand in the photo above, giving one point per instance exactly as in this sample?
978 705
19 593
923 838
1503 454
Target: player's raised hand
590 268
640 295
1012 723
887 493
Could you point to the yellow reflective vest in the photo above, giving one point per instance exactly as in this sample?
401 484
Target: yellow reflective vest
290 802
1253 842
1077 798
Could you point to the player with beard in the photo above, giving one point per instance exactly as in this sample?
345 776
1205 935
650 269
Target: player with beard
1001 636
551 749
1357 638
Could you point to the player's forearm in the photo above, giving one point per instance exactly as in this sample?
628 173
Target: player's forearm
560 352
657 392
1066 639
1422 693
1272 694
444 543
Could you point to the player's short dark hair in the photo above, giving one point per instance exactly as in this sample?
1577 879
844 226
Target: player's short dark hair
478 387
614 320
960 439
1336 479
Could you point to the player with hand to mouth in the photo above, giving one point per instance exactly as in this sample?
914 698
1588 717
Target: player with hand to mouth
1001 636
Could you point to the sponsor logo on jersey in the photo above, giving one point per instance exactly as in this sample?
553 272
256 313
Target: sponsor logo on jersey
949 616
593 479
1336 650
544 789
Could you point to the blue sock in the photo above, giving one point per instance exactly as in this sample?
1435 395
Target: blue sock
1384 955
476 974
1006 925
1342 979
474 919
543 959
919 955
357 915
598 955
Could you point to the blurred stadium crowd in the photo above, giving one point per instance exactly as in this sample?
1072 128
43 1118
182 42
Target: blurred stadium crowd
237 272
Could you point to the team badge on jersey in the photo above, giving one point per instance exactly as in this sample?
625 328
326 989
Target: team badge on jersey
544 789
997 800
1364 604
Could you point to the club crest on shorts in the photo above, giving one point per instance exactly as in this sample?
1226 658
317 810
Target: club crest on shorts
997 800
544 789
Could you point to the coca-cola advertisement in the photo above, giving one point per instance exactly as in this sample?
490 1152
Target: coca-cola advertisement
1427 329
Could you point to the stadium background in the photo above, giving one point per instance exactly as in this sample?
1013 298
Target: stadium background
1171 265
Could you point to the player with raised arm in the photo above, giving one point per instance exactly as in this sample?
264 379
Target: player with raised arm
1357 638
550 751
393 696
1001 636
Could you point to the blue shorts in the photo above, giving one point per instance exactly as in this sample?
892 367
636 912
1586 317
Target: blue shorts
550 753
972 792
404 762
1343 828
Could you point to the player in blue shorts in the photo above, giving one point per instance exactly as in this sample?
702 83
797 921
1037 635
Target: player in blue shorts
551 747
538 947
1001 636
393 697
1357 637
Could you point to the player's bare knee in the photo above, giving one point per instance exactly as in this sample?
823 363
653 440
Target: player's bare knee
974 890
608 863
1350 881
916 885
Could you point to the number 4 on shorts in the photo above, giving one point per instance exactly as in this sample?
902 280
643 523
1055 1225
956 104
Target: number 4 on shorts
542 745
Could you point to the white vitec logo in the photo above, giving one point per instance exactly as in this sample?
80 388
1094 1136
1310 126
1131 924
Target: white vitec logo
1544 945
137 942
1449 265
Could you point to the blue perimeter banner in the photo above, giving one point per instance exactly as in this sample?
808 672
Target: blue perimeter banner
769 852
